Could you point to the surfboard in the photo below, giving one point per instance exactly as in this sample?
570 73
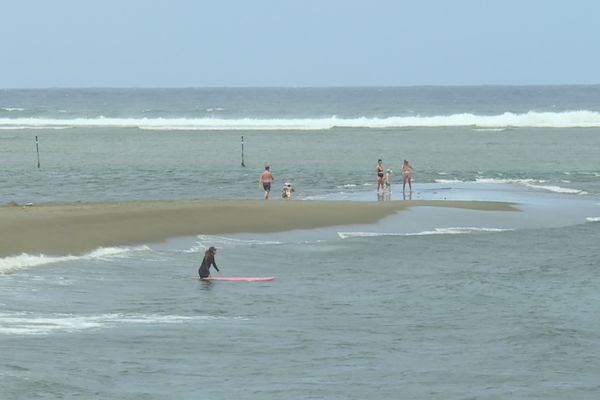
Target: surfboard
238 278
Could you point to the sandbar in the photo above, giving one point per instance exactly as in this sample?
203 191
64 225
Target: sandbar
77 228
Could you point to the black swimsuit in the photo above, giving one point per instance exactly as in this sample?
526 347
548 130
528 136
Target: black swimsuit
203 271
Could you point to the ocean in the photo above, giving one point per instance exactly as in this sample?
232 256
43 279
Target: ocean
430 303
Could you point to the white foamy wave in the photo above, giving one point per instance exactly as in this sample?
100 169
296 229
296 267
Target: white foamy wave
8 127
9 109
557 189
593 219
206 241
13 263
566 119
448 181
24 323
489 129
504 181
436 231
532 183
9 264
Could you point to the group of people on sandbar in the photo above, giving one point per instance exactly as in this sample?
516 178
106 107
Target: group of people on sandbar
383 178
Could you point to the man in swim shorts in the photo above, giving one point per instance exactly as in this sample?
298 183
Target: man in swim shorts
265 180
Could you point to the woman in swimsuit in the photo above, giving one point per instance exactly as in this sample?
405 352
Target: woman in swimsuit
406 175
379 174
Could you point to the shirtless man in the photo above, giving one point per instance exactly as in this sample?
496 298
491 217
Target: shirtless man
265 180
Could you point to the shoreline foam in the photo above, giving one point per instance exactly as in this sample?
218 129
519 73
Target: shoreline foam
60 229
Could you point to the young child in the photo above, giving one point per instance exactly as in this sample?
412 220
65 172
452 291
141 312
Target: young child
287 190
386 180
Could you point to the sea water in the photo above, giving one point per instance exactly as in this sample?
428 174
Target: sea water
429 303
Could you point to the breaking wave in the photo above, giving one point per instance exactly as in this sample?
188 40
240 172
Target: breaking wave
436 231
23 261
566 119
534 184
27 323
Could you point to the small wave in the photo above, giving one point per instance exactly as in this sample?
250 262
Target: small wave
558 189
14 128
504 181
489 129
25 323
213 109
23 261
567 119
448 181
205 241
532 183
11 109
593 219
436 231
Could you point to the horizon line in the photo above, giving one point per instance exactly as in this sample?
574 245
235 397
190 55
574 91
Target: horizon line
301 87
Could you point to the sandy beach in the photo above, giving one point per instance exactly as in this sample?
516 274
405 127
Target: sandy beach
60 229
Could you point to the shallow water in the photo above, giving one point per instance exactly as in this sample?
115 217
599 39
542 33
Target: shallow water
485 315
430 303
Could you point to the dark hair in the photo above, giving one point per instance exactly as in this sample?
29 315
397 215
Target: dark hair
211 250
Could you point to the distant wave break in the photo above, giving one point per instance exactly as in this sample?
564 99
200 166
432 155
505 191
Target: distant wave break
566 119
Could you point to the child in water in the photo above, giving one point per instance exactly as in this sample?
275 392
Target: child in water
386 181
287 190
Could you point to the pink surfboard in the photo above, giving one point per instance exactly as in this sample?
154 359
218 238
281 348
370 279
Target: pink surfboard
238 278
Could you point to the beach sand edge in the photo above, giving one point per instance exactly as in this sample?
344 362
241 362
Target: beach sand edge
77 228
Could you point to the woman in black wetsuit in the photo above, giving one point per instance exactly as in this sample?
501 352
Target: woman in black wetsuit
209 259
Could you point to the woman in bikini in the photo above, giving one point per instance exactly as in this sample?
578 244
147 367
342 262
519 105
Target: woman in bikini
379 174
407 175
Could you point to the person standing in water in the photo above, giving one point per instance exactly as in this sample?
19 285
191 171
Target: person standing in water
207 262
379 175
407 175
265 180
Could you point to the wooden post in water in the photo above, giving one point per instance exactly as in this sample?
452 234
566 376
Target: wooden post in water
37 148
243 165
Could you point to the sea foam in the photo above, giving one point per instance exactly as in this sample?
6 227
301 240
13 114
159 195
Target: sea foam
23 261
532 183
205 241
27 323
566 119
436 231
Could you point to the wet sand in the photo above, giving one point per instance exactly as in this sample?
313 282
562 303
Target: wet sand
60 229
